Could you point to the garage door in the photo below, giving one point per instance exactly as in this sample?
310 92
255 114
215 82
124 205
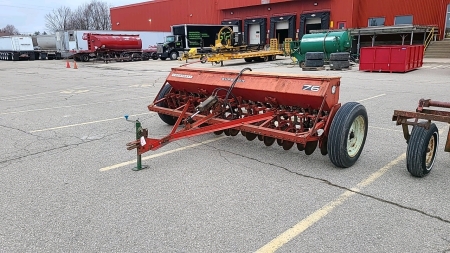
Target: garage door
281 25
254 34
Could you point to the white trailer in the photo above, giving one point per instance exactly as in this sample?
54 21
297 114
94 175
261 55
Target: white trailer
45 47
14 48
72 42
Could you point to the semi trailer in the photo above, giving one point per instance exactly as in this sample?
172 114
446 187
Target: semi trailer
45 47
185 37
15 48
71 42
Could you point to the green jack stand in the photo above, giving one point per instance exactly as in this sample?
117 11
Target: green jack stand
139 135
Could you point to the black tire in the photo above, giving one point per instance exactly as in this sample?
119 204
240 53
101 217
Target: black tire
154 56
265 58
248 59
314 56
421 151
339 64
203 59
84 58
170 120
345 56
301 64
163 58
273 57
347 126
173 56
314 63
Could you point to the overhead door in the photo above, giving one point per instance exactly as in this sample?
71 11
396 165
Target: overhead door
254 34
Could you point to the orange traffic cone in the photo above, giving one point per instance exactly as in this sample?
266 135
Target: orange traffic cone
68 64
75 65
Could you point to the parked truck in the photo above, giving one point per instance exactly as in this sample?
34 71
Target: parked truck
119 47
184 37
71 42
15 48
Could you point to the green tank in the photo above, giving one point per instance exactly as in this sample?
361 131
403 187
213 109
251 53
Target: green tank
327 42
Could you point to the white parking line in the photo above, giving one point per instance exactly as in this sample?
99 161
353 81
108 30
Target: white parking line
161 154
84 123
70 106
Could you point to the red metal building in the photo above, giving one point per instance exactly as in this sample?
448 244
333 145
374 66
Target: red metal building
263 19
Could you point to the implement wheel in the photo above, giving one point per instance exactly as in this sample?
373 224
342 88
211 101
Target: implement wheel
421 151
347 134
170 120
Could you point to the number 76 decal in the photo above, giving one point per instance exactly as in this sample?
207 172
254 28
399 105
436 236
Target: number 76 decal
311 87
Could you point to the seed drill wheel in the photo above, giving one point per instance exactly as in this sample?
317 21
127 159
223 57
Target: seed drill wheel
170 120
421 151
347 134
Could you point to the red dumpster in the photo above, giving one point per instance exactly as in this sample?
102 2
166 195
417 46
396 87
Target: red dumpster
396 58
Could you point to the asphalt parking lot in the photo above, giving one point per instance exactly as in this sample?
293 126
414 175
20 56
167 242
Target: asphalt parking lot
67 183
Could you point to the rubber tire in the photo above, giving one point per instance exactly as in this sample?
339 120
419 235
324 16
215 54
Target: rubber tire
84 58
273 57
314 56
301 64
248 59
314 63
345 56
339 133
154 56
163 58
170 120
417 150
339 64
173 56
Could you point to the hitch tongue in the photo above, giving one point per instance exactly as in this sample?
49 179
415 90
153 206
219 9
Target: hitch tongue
202 107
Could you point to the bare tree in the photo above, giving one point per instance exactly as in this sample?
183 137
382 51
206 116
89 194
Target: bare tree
10 30
93 15
58 19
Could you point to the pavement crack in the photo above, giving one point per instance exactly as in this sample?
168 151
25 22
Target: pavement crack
343 187
20 130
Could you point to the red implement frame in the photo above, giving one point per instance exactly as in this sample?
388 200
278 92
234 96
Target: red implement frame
406 118
292 109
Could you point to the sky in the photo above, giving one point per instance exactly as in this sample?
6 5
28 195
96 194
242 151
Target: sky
29 16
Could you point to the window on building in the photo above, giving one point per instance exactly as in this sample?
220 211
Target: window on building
341 25
403 20
376 21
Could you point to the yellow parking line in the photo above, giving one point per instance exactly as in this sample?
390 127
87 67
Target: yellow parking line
161 154
298 228
304 224
371 98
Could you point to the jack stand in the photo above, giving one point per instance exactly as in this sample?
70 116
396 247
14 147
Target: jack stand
139 136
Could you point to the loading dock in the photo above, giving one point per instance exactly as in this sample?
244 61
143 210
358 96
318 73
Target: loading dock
261 23
310 21
282 27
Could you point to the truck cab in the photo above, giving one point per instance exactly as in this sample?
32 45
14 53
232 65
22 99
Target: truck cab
170 47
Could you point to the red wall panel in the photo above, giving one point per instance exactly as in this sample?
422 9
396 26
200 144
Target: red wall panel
295 7
343 11
230 4
164 13
160 15
425 12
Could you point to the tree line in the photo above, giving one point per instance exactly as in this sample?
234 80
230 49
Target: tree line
92 15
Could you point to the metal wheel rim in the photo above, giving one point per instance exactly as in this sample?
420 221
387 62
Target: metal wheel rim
431 149
356 136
